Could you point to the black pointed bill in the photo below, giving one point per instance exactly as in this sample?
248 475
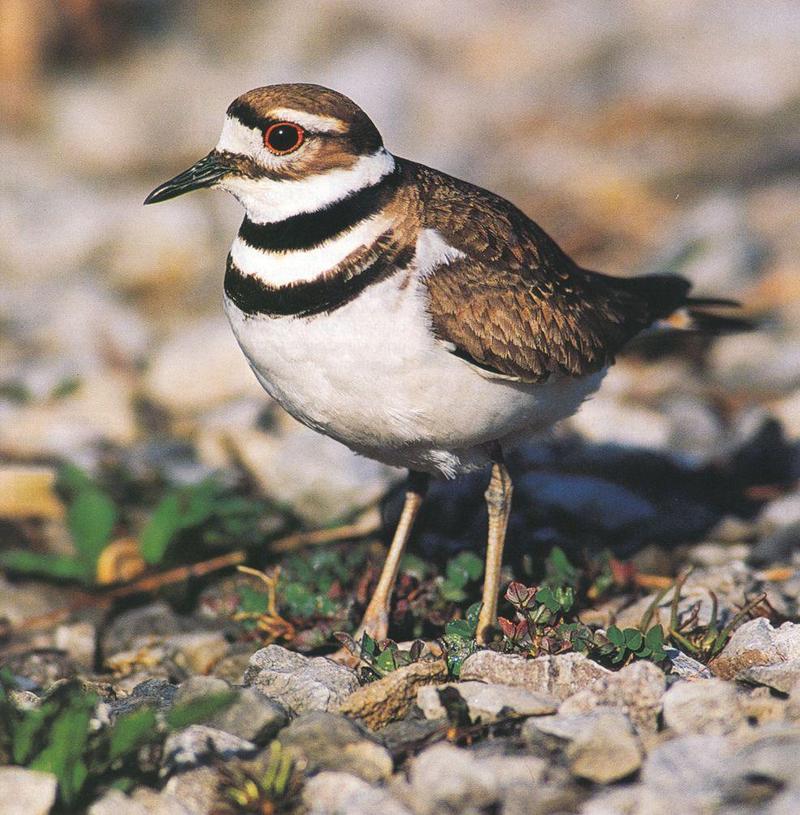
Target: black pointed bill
203 173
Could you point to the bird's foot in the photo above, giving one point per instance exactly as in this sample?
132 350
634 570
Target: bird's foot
376 624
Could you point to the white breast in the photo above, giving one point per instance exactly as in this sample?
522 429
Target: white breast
372 375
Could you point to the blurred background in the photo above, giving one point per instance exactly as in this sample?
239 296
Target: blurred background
644 136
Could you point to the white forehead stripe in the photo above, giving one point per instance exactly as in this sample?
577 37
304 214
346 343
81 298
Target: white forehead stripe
239 138
309 121
267 201
283 268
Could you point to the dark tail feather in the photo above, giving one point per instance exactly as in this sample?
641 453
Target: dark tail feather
708 323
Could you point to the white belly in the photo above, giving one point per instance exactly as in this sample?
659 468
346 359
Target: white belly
371 375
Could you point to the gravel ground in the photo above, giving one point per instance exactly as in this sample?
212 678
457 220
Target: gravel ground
644 138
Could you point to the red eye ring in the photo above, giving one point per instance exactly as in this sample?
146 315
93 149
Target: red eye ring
283 137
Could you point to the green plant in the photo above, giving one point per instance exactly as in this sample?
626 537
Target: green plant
262 791
206 508
381 658
459 639
91 519
60 737
624 645
463 569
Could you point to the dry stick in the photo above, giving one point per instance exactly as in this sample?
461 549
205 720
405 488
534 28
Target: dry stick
145 584
360 529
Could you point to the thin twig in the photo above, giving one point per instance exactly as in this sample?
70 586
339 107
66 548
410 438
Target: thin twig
149 583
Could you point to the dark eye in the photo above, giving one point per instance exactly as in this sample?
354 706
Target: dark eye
283 137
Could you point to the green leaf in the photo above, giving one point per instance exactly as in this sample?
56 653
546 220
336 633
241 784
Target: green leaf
451 591
73 480
62 756
62 567
130 732
197 710
368 645
546 597
91 518
252 601
177 512
385 662
463 568
473 612
559 570
299 599
615 636
655 638
162 527
633 639
414 566
459 629
25 731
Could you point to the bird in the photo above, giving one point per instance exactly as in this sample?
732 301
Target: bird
416 318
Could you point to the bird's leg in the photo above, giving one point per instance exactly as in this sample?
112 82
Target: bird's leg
498 502
376 617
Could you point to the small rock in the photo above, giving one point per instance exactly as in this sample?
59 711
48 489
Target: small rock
389 699
757 643
195 744
184 382
24 599
782 676
601 746
197 789
297 682
26 792
252 716
78 640
705 706
558 676
332 793
198 651
636 690
40 668
446 779
320 479
686 774
780 513
326 741
156 693
487 703
685 666
140 626
144 801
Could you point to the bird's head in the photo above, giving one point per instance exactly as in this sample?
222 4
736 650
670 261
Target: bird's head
288 149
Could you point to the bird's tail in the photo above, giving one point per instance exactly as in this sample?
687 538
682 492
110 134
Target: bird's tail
702 315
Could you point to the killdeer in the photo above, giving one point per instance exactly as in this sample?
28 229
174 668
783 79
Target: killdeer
416 318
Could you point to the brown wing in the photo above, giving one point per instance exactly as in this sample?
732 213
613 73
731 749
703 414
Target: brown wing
516 304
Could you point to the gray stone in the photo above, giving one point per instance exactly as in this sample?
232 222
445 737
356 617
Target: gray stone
691 770
140 626
600 746
332 793
559 676
197 789
79 641
636 690
26 792
143 801
757 642
782 676
325 741
195 744
685 666
155 693
487 702
297 682
252 716
705 706
320 479
198 651
446 779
